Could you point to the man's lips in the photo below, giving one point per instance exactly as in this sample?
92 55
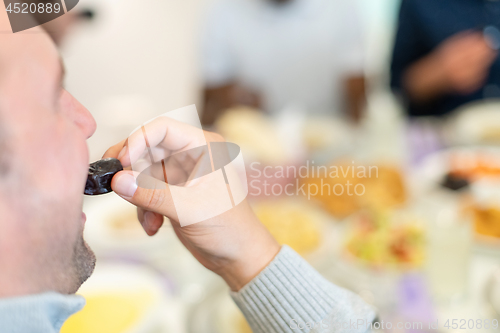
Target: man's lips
84 218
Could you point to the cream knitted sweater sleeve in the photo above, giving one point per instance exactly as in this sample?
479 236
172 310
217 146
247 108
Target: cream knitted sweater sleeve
291 296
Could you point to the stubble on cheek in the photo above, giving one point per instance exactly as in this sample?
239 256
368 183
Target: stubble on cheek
84 261
71 259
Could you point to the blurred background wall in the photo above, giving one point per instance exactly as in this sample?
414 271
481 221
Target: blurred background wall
137 59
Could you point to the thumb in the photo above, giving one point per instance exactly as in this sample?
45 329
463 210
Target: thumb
154 195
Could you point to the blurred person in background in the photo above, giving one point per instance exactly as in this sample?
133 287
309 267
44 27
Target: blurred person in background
275 54
446 54
43 171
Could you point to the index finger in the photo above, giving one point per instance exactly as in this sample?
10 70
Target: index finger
160 138
114 151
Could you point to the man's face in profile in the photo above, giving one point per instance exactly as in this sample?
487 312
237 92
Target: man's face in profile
43 169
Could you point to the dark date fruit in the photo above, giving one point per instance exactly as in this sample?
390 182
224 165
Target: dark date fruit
454 182
100 175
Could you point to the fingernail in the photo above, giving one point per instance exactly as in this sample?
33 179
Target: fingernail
122 152
125 185
148 219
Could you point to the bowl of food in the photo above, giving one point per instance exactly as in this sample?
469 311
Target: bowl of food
467 163
265 148
378 240
378 249
255 133
124 298
353 188
298 224
486 210
473 174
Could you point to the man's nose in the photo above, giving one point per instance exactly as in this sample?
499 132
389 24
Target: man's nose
80 115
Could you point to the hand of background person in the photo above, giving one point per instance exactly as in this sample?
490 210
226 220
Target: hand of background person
465 60
219 99
459 65
234 245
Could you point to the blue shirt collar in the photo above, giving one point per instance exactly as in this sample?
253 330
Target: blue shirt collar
38 313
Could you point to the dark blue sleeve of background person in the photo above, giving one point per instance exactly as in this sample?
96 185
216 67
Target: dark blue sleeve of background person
425 24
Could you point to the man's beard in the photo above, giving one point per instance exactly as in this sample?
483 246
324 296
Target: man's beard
84 261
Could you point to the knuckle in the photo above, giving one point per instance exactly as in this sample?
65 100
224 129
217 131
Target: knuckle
154 198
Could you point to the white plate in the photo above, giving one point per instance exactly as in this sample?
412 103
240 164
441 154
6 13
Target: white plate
217 314
105 239
492 292
474 122
429 174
